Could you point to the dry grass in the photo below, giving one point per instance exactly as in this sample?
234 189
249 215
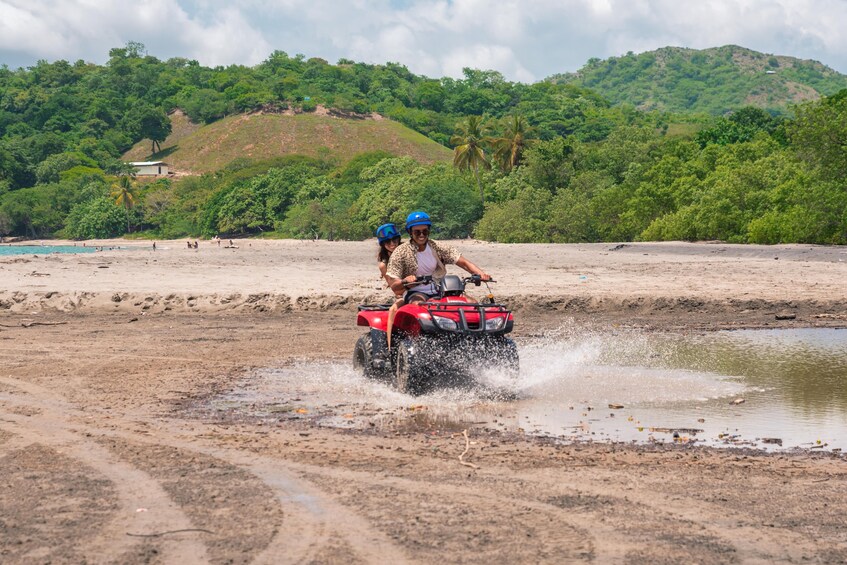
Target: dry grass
199 149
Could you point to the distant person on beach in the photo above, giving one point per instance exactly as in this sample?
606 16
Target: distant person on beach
189 244
423 257
154 246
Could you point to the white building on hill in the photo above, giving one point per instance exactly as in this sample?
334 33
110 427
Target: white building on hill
150 168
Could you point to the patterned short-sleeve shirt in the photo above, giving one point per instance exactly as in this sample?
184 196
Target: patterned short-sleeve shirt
404 262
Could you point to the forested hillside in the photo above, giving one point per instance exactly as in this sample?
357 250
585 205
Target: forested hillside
531 162
715 80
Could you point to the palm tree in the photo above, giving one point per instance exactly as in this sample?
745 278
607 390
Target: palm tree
508 149
469 152
124 194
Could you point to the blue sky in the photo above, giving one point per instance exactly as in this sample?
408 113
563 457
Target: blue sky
526 40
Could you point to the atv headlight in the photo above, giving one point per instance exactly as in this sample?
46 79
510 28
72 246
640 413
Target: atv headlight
494 324
445 323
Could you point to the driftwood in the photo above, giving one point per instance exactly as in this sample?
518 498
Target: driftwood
30 324
157 534
689 431
467 447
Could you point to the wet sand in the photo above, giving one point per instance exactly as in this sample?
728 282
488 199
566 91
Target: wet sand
111 359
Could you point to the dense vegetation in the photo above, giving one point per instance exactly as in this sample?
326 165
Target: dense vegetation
714 81
540 162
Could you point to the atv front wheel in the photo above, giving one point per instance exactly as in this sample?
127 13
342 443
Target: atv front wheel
408 373
509 354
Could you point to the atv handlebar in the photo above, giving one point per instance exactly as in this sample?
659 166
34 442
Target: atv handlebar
475 279
418 280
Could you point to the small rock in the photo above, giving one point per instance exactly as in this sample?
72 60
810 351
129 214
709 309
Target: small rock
738 401
615 406
786 316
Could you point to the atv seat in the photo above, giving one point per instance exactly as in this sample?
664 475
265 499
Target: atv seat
373 307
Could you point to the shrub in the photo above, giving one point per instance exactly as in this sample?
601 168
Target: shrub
97 218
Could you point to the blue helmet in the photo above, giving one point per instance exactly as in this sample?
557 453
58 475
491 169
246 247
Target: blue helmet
386 232
417 219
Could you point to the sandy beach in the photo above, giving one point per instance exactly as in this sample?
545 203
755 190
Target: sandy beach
690 283
109 451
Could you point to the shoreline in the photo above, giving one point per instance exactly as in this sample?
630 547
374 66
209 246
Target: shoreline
657 285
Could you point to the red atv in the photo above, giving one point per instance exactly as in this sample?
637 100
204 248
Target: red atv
447 339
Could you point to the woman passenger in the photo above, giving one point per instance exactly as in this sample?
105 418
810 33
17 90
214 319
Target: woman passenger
389 239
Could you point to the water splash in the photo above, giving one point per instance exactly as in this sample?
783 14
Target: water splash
621 386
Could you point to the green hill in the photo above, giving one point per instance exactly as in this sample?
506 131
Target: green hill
714 80
197 149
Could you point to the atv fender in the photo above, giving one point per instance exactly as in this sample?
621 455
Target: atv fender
373 318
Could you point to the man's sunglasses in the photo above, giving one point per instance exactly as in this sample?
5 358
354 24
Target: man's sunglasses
420 232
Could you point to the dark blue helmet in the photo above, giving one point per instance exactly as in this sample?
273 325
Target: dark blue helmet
386 232
417 219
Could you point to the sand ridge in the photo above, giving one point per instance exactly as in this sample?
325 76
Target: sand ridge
650 279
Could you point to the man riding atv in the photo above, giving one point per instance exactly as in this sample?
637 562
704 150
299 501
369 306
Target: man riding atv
441 335
421 257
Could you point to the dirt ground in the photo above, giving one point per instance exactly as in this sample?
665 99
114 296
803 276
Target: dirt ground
106 458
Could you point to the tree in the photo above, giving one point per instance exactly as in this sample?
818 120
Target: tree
469 153
124 194
524 219
242 210
819 135
155 125
50 169
550 164
509 148
96 218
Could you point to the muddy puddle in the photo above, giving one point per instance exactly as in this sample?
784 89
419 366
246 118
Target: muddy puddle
768 389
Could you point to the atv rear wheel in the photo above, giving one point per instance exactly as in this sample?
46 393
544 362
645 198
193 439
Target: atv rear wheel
363 356
408 372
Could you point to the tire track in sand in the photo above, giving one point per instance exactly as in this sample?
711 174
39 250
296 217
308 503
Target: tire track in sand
312 521
135 489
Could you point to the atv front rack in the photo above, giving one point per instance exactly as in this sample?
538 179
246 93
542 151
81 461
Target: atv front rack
484 311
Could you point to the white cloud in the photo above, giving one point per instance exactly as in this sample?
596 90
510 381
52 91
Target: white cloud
83 29
525 40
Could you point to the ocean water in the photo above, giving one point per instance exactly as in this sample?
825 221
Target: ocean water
43 249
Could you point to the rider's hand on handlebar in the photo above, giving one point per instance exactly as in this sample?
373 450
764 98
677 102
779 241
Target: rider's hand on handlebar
410 280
